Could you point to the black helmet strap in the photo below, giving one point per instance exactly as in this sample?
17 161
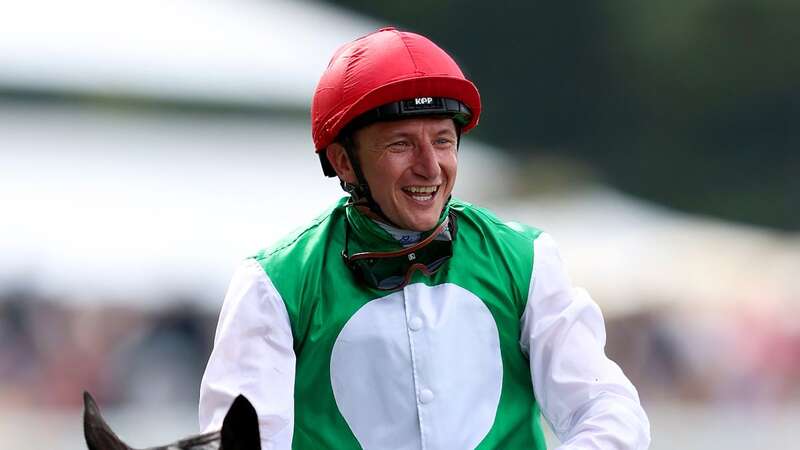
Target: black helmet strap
360 193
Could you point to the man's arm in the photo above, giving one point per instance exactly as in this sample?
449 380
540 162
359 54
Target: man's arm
253 355
584 395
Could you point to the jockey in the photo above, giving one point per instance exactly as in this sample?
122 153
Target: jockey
403 317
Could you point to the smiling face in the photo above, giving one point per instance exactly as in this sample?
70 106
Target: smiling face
410 166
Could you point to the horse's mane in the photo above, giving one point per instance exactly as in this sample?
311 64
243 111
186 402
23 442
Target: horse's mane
205 441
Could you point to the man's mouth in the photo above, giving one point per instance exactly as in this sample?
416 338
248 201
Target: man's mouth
421 193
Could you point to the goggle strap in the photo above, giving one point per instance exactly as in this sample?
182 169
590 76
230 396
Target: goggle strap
402 252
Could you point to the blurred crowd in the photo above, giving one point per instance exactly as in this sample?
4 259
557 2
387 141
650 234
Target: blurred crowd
51 351
749 357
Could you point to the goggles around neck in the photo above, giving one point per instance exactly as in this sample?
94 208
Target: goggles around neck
389 271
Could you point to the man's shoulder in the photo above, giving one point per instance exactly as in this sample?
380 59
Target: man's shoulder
489 221
303 238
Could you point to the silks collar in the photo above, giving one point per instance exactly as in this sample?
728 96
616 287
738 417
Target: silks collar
366 235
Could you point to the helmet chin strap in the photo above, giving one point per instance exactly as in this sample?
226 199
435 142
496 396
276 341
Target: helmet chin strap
360 192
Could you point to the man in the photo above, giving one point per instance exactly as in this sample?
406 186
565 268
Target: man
403 318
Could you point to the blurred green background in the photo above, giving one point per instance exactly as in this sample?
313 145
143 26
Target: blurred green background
694 104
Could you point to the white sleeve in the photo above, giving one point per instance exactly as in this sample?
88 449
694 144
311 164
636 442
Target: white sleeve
585 397
253 355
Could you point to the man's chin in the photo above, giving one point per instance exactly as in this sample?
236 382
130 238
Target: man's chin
416 217
422 223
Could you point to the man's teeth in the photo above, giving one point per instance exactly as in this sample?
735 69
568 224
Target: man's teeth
421 193
422 189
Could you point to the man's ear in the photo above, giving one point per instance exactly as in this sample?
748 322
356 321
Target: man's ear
341 163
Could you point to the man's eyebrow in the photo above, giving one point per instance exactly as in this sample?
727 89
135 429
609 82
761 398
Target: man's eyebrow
397 133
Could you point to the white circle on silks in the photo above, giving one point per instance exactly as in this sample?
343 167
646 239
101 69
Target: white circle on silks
397 383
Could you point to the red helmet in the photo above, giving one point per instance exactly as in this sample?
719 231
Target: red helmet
390 67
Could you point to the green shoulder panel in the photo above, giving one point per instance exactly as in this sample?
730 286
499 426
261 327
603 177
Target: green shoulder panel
504 251
303 264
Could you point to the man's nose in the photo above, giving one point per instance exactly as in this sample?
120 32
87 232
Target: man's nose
426 163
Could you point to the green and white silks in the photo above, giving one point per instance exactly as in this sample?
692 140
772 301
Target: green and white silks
443 363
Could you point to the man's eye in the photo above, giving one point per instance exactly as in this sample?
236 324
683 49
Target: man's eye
399 146
444 141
